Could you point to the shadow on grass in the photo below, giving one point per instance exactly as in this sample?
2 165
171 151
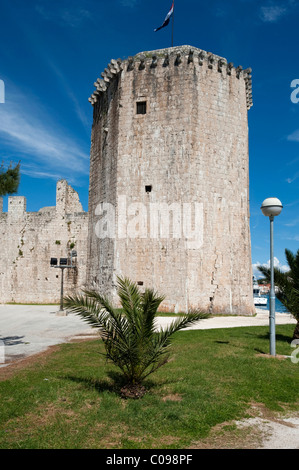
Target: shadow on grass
266 336
279 337
113 384
251 336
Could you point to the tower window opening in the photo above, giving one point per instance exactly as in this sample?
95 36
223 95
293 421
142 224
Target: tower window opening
148 189
141 107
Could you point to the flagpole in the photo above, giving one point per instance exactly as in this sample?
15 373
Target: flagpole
172 27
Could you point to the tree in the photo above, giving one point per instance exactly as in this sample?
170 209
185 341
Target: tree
130 337
288 285
9 179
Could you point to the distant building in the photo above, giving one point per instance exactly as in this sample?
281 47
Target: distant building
264 288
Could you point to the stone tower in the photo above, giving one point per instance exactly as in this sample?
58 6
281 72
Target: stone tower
169 202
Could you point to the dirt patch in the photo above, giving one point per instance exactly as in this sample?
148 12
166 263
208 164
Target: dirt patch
230 436
134 391
174 397
277 356
264 430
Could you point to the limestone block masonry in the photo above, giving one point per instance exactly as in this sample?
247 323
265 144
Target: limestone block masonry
30 239
169 184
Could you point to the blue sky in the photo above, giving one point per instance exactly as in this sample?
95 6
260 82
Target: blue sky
52 52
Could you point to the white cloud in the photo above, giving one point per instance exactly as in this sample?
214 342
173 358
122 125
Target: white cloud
293 203
277 264
293 178
294 238
294 137
272 13
35 172
128 3
29 132
275 10
69 92
73 17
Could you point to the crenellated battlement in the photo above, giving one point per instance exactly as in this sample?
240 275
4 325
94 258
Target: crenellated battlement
181 56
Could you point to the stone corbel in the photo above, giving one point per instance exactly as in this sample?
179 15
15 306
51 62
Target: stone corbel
130 63
93 99
142 62
211 60
100 85
247 71
154 61
201 57
238 71
230 66
221 63
166 61
112 69
117 65
106 76
190 56
178 59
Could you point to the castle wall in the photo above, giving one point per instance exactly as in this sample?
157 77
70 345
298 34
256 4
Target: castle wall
102 187
190 149
30 239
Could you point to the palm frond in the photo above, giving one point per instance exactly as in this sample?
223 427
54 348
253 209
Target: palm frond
161 339
291 258
287 282
280 278
84 306
130 298
150 302
130 337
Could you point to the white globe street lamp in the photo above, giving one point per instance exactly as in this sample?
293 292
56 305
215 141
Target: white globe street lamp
272 207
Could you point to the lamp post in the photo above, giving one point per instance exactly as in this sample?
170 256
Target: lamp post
62 265
272 207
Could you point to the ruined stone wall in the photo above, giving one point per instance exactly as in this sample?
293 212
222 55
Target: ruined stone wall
30 239
185 161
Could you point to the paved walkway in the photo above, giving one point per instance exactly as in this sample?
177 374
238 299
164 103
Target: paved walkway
29 329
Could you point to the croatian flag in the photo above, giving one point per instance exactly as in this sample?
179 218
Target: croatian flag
167 19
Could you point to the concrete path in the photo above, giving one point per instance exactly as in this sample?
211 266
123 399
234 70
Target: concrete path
29 329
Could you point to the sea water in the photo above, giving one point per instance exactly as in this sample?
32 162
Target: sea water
279 307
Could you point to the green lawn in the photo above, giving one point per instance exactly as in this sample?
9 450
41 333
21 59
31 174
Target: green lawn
71 400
